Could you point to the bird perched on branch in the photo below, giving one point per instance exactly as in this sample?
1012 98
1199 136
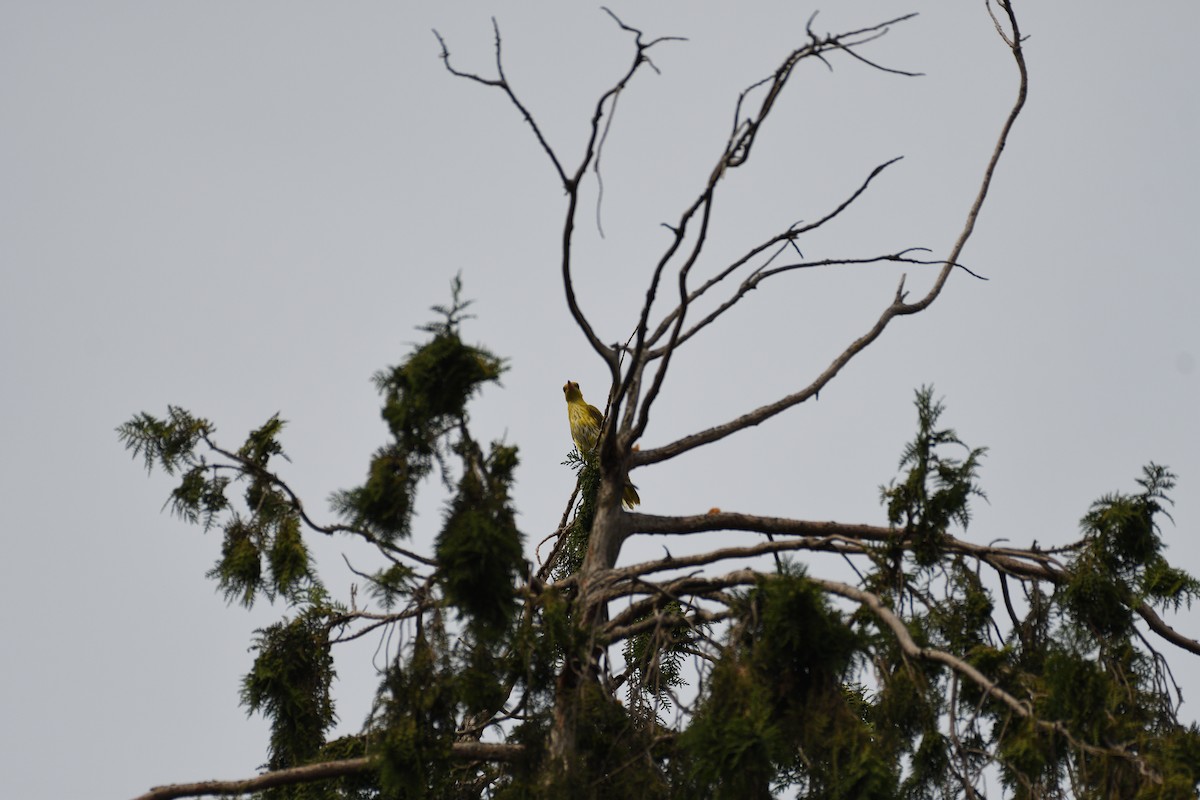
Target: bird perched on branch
586 421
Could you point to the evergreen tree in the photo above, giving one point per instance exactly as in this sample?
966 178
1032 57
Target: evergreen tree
739 672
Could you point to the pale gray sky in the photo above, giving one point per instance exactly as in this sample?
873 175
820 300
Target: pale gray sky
244 208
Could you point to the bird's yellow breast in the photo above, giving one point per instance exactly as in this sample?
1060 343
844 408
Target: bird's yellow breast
585 419
585 424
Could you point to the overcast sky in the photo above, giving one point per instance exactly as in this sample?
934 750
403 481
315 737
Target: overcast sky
244 208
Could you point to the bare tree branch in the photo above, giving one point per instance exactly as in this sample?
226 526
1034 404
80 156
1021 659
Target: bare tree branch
758 276
736 153
898 307
310 773
829 544
1164 630
1018 53
501 82
570 183
789 235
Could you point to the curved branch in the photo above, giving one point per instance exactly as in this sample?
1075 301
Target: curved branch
609 354
1164 630
830 544
1018 53
729 520
615 632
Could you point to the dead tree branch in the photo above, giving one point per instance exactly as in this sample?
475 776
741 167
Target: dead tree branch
790 235
311 773
570 182
736 152
898 306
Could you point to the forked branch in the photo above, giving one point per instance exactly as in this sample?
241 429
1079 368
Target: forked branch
781 240
571 181
898 306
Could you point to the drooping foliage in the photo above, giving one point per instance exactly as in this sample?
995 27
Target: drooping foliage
781 708
290 683
262 552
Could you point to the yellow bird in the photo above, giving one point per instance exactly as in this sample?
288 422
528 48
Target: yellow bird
585 420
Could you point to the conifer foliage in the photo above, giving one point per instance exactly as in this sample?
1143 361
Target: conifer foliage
899 658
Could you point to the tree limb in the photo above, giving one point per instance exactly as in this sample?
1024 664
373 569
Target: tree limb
284 777
1021 708
310 773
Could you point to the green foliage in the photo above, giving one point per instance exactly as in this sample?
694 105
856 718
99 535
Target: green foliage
263 444
425 402
735 748
361 786
543 635
392 585
575 542
936 489
479 548
288 556
655 659
289 683
416 720
169 442
239 571
1089 672
200 496
1031 759
1121 562
1174 754
262 551
777 706
615 757
384 503
963 623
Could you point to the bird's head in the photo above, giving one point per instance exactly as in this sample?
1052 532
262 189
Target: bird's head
571 390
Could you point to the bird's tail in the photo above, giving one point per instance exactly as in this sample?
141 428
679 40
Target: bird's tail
630 496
